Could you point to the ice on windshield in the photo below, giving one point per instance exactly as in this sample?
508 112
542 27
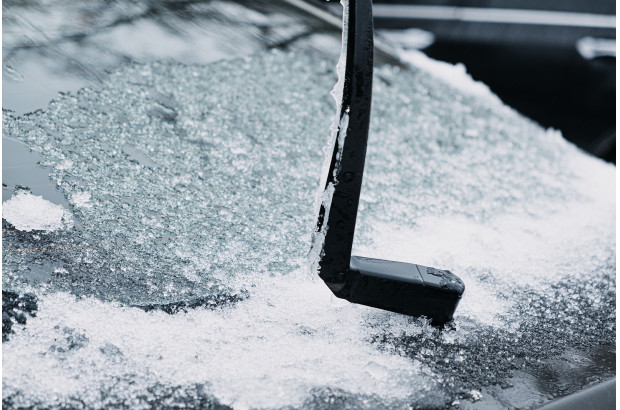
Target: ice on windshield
75 43
194 189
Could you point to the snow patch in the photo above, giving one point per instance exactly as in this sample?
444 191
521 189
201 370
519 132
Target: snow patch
28 212
413 38
267 352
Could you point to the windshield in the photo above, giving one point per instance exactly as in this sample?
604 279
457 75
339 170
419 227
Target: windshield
167 244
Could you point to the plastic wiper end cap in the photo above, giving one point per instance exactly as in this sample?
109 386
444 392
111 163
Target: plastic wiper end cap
406 288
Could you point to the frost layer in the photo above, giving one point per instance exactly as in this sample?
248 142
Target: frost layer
27 212
202 181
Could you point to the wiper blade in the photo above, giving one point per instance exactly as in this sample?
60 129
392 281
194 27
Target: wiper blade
395 286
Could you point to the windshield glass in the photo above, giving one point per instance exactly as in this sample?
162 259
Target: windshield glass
162 217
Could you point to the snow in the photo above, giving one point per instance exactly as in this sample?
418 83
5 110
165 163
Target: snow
453 74
214 202
337 135
407 45
27 212
298 347
592 47
412 38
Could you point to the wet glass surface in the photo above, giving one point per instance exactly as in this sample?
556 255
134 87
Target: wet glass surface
191 188
62 46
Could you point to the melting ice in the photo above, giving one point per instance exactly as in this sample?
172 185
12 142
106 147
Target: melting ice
195 184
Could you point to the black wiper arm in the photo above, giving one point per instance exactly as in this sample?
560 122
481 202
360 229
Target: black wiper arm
395 286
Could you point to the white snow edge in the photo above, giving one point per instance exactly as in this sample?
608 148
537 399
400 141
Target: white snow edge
452 74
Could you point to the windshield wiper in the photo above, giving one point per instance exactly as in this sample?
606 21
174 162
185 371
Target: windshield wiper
395 286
